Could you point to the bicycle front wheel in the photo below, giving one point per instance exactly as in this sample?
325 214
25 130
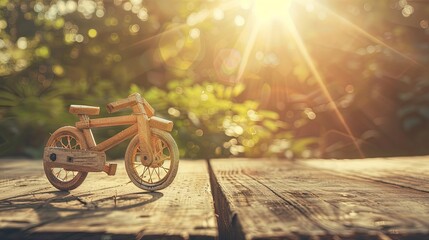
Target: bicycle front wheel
148 177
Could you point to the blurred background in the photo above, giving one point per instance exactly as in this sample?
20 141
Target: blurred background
246 78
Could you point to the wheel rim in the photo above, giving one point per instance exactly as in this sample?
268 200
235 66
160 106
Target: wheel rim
148 175
69 142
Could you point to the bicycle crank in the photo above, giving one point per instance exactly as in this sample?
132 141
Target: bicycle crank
77 160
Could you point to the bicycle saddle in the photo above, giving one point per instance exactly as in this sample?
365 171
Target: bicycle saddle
83 109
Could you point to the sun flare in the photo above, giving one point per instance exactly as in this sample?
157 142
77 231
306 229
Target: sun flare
269 10
279 37
263 14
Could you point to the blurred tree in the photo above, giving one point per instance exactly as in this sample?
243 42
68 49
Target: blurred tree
63 52
260 78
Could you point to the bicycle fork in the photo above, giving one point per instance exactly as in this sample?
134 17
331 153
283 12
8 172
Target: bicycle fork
144 133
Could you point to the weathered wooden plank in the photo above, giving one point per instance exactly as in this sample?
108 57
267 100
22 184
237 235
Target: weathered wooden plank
410 172
19 177
268 198
105 207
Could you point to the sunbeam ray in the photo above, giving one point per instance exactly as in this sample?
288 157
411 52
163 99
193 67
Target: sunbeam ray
363 32
247 51
224 7
156 36
306 55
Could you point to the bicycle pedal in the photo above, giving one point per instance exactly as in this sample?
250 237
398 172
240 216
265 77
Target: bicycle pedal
110 168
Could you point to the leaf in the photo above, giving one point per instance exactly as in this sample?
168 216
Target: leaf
42 52
271 125
237 90
8 99
269 114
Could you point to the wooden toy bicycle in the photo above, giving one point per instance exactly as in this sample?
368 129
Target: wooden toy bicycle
151 159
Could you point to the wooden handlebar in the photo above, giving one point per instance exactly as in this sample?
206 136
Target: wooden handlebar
120 104
133 99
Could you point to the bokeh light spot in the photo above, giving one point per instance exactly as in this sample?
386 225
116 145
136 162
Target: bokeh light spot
174 112
239 20
99 13
349 88
92 33
424 24
58 70
310 114
135 28
22 43
3 24
114 37
194 33
143 15
199 132
407 10
218 14
127 6
79 38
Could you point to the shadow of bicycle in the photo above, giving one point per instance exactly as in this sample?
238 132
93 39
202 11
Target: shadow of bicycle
65 208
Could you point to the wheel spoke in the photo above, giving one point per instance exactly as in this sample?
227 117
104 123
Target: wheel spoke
136 166
68 142
65 141
158 153
142 175
157 173
58 173
150 176
63 145
76 146
165 169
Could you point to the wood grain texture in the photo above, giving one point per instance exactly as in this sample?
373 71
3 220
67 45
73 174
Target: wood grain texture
410 172
163 124
106 122
279 199
83 109
104 207
116 139
255 199
74 159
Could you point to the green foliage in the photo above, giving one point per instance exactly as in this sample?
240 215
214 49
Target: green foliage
414 112
28 114
237 90
210 123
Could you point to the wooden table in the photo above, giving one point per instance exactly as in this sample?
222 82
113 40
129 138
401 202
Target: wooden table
225 199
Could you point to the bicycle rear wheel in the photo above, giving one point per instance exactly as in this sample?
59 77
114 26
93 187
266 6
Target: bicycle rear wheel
71 138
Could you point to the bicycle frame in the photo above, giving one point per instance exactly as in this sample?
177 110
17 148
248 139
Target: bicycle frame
141 122
107 122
